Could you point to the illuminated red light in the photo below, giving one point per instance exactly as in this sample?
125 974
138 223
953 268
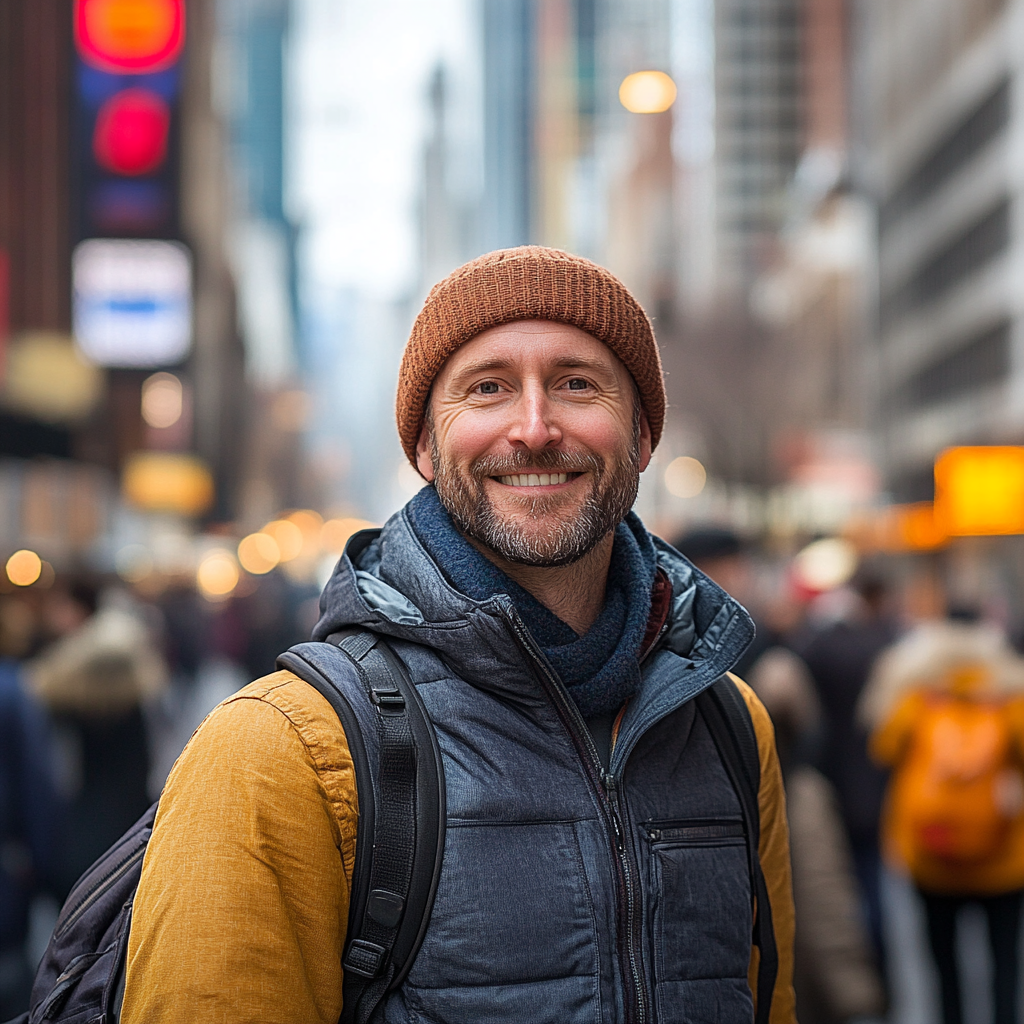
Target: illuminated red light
130 35
131 132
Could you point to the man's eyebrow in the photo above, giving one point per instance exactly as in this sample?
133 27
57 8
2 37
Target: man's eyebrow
483 366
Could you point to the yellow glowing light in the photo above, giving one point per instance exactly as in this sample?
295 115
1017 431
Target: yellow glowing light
309 523
288 537
24 568
217 574
337 532
685 477
258 553
161 400
980 490
647 92
168 482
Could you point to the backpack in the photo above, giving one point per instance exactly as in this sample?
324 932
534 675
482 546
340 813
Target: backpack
957 790
399 844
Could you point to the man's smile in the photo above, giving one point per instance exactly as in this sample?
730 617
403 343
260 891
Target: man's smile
537 479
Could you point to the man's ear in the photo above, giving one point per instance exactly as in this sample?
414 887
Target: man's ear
645 441
424 462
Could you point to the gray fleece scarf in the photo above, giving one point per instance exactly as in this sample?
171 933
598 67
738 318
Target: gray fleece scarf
599 669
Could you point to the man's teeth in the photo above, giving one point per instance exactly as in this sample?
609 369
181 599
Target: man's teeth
534 479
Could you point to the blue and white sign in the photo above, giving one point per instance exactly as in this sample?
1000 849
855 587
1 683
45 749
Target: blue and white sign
132 301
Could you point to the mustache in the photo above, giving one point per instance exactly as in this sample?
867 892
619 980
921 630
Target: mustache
571 460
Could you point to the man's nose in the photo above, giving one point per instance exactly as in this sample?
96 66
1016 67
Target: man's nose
534 423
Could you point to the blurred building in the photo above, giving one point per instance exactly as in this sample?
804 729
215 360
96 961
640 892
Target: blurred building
942 122
759 136
564 163
252 45
130 157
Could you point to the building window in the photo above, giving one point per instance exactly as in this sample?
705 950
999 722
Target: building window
953 151
983 361
982 242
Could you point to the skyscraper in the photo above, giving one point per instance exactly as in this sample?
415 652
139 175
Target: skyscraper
942 133
758 129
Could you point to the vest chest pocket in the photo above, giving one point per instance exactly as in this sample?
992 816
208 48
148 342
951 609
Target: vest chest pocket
701 918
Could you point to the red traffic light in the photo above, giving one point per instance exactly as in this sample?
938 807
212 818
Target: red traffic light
132 36
131 132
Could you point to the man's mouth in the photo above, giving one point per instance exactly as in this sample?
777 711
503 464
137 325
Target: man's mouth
535 479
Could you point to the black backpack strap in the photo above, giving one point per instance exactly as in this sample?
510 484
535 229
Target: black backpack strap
401 811
728 720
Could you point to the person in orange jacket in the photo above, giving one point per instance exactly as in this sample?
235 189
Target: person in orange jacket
946 709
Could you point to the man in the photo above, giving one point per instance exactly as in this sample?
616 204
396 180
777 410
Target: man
557 647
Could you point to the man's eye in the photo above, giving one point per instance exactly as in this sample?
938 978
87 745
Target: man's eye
578 384
489 387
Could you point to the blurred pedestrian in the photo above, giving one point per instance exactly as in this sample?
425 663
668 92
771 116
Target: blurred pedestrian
720 553
946 706
840 653
29 808
836 975
93 681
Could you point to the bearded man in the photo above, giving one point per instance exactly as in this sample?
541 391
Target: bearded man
595 862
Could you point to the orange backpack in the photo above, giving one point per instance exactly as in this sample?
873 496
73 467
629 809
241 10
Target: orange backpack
957 791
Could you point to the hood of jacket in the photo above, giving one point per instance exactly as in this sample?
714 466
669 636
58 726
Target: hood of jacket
387 582
928 657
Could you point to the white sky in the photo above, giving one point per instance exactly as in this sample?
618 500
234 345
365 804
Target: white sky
359 75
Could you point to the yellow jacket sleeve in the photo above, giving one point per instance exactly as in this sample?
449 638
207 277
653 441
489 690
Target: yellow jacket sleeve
241 910
774 852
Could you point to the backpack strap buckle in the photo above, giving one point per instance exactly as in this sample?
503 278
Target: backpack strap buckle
388 698
364 958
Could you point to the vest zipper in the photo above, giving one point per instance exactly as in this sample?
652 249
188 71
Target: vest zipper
633 929
606 786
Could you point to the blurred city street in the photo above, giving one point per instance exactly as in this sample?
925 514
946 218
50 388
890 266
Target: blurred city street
218 221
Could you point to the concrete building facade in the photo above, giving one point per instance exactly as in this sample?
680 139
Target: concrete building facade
944 139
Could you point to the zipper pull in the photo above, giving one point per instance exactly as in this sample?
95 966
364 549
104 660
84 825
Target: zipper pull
609 782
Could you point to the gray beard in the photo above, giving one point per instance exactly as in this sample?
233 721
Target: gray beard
608 503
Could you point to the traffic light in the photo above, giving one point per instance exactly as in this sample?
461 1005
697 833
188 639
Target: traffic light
131 274
125 145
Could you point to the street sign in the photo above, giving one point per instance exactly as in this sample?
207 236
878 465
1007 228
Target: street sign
132 304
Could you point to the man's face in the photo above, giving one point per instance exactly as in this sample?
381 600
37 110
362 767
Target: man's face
535 441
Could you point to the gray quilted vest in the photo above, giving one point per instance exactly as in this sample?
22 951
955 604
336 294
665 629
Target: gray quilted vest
568 893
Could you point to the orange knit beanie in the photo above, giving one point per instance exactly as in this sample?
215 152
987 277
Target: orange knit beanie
528 283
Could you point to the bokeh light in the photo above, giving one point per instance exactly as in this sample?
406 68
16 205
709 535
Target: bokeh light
825 564
685 477
132 129
161 400
24 567
336 533
647 92
217 574
288 537
258 553
129 35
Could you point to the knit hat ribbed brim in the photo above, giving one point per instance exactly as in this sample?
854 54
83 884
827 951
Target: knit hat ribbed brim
528 283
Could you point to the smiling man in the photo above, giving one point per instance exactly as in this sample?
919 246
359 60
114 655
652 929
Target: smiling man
600 862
